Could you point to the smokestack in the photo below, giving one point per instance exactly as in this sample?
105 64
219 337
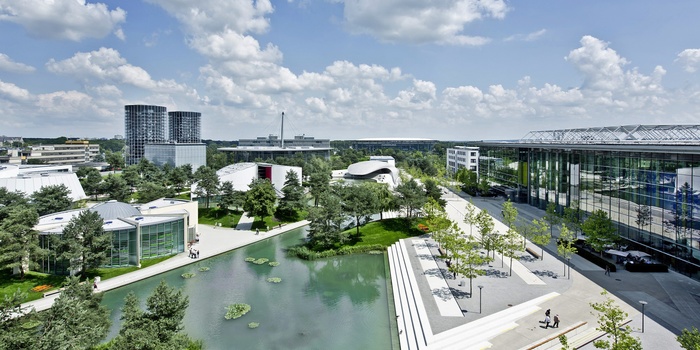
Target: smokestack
282 131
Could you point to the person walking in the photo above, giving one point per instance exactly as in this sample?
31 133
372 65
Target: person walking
607 270
546 321
556 321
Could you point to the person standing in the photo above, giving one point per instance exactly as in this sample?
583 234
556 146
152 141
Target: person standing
607 270
556 321
546 321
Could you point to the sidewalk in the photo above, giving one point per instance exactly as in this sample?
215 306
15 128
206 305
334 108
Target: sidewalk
212 241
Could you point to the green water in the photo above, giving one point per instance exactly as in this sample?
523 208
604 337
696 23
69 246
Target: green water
336 303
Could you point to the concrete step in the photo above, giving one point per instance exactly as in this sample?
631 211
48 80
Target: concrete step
404 321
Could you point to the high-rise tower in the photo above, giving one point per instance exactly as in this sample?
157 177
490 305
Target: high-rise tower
144 125
184 127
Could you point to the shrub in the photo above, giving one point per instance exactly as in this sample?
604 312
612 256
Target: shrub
302 252
261 261
235 311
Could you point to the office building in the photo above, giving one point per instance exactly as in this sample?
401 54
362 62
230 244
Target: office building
645 177
462 157
72 152
184 127
401 143
177 154
144 124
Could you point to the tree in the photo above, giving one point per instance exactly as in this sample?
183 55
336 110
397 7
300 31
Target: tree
681 221
432 190
150 191
148 171
565 245
469 180
260 198
600 230
471 259
359 201
294 200
131 175
485 226
385 198
319 176
179 177
14 319
207 182
115 159
610 318
689 339
117 188
10 199
511 244
159 326
84 243
551 217
438 222
76 320
326 227
91 180
572 217
410 196
51 199
540 234
229 197
20 242
470 216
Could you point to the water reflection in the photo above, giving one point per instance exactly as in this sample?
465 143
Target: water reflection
348 276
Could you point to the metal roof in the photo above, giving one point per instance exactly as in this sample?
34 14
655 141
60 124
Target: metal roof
624 134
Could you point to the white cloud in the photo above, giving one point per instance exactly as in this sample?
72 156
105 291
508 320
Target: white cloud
7 64
526 37
107 64
415 21
13 92
63 19
690 59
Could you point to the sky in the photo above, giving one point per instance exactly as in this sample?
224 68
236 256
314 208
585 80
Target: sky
349 69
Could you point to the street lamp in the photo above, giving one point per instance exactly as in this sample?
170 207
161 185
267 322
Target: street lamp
643 303
480 287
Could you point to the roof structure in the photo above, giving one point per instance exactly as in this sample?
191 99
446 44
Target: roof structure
112 210
625 134
30 183
373 166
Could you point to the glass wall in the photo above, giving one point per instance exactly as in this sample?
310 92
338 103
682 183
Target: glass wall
123 251
653 197
162 239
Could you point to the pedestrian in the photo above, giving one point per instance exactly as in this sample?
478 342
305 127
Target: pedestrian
94 285
197 252
190 255
546 321
257 231
607 270
556 321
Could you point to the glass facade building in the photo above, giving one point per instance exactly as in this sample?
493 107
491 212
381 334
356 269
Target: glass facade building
144 124
184 127
177 154
646 178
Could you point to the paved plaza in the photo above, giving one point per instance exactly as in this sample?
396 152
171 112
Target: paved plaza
507 313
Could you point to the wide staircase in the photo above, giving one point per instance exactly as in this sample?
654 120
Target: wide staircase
412 319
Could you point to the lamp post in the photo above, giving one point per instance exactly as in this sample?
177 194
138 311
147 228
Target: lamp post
480 287
643 303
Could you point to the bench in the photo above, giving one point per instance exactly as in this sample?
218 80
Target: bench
555 337
533 253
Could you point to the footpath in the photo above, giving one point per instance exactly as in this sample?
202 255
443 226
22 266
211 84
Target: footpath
213 240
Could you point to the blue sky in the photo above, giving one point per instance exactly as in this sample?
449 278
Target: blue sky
447 69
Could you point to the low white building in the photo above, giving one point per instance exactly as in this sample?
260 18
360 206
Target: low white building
462 157
242 174
31 178
379 169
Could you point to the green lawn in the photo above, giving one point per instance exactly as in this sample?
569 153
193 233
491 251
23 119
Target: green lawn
385 232
210 216
9 283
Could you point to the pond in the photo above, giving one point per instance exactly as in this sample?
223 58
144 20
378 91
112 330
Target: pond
335 303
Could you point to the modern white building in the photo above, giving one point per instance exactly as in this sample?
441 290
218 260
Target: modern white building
242 174
31 178
159 228
379 169
462 157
